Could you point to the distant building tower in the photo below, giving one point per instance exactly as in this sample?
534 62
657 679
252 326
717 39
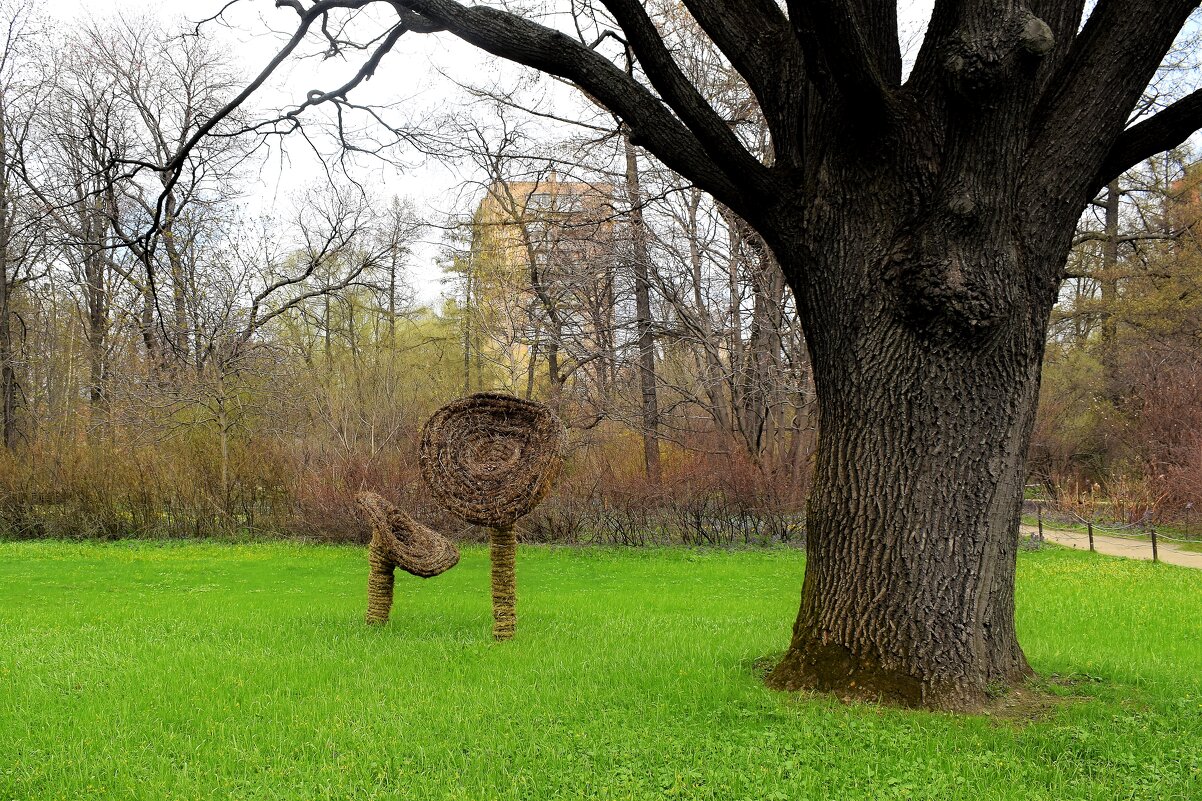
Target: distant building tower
539 286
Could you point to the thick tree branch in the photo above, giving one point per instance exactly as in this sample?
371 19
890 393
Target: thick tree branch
1121 45
975 49
676 90
1109 65
701 147
837 52
758 40
877 22
1160 132
1063 17
734 177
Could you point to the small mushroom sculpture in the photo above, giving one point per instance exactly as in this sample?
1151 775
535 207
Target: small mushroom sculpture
397 540
491 458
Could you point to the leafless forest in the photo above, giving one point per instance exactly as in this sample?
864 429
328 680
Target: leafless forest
224 374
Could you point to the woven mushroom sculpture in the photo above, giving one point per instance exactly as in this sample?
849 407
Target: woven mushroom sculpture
490 458
397 540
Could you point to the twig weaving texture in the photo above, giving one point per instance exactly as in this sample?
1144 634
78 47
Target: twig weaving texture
397 540
490 458
502 553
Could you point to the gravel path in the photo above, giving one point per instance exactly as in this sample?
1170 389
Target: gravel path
1121 546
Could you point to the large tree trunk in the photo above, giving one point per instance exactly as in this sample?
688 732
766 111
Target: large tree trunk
912 527
926 351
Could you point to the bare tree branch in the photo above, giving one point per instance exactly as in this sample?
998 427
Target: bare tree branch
734 175
838 53
678 92
761 45
1163 131
1102 236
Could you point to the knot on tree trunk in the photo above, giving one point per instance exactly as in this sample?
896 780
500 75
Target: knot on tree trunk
978 59
945 282
1035 37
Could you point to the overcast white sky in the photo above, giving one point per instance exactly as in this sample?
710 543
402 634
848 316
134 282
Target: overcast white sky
410 74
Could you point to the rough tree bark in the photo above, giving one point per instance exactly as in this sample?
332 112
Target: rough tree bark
923 227
926 349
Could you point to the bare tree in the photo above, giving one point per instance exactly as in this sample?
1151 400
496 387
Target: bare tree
23 88
538 271
396 233
166 85
923 223
252 282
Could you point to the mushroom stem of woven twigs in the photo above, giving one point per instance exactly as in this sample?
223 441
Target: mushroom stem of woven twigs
379 585
397 540
490 458
502 553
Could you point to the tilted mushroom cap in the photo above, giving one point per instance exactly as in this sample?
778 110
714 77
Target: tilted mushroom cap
490 458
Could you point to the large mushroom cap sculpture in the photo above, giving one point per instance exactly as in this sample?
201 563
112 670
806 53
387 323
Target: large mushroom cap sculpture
490 458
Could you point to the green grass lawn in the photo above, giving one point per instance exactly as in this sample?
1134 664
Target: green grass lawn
194 671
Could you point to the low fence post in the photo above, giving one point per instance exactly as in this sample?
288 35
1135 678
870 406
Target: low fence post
1155 554
1039 510
1089 527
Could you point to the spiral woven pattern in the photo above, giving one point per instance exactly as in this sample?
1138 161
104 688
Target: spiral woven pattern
490 458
